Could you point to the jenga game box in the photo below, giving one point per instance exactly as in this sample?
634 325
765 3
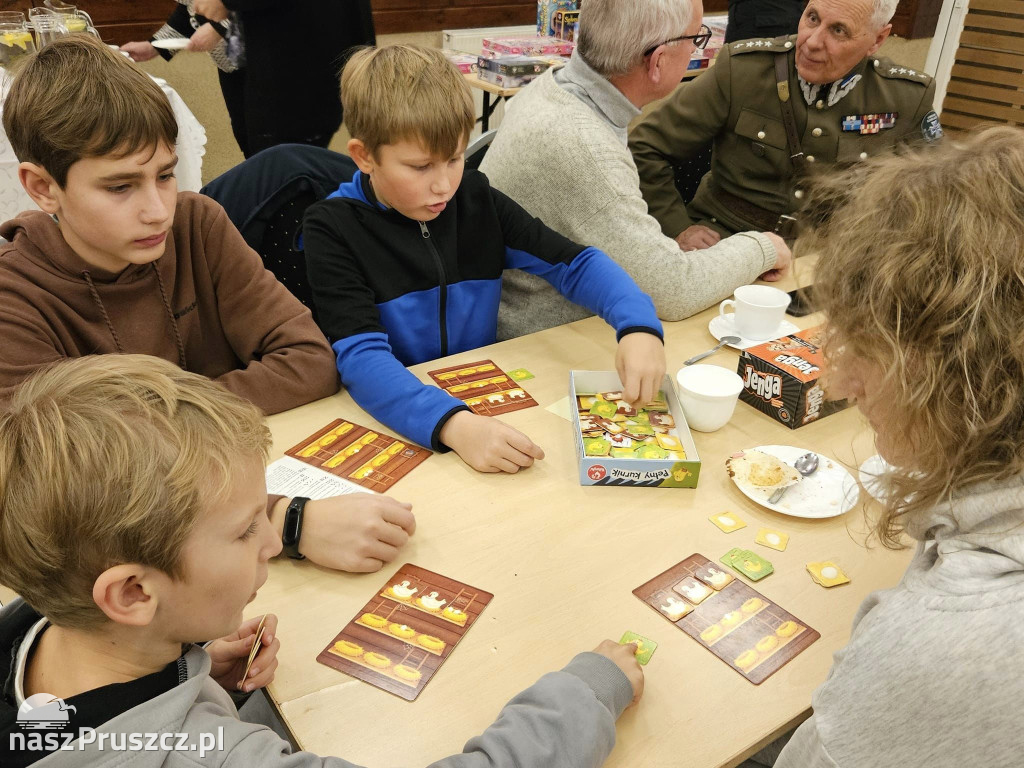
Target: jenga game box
781 379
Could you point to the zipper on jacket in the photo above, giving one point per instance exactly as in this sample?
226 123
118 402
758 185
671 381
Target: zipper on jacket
443 279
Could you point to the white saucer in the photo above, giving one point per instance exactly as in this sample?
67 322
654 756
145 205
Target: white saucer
829 492
722 326
172 44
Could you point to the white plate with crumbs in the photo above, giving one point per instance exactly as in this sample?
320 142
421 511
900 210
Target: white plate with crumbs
829 492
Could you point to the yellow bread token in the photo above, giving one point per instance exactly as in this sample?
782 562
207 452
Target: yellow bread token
727 521
407 673
377 660
401 630
787 629
372 620
767 644
753 605
827 573
430 642
773 539
711 634
347 648
746 660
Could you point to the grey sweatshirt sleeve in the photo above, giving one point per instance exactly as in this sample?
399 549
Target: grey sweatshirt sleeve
681 283
564 720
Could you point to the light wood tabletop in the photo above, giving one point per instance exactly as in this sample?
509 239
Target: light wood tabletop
562 561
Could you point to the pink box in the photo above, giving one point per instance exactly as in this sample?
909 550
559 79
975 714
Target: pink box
464 62
528 46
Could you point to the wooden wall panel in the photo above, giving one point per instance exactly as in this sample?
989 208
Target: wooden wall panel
987 81
122 20
118 21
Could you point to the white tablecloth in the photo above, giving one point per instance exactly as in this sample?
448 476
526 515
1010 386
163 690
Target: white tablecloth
191 147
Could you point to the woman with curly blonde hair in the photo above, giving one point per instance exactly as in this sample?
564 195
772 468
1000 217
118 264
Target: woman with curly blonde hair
921 276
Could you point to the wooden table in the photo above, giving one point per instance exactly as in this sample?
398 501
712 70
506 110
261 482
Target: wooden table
562 561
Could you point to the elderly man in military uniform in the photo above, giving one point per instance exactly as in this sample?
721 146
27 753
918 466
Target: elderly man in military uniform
776 109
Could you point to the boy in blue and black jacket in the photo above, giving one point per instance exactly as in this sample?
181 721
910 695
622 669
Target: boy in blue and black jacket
406 260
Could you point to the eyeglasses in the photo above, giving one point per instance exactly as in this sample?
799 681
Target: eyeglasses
700 40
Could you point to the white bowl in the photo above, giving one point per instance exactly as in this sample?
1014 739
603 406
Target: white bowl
708 395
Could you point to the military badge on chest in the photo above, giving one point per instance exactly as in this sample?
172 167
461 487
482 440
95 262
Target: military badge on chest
869 124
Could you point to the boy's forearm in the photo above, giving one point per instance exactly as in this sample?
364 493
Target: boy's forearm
385 389
295 369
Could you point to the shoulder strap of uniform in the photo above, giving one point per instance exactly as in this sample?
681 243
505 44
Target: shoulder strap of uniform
796 151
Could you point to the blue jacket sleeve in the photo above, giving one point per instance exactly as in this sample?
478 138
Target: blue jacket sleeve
584 275
385 389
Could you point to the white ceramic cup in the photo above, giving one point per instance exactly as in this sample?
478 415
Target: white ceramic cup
708 395
759 310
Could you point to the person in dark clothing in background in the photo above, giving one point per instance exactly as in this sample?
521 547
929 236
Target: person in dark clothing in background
294 52
203 35
763 18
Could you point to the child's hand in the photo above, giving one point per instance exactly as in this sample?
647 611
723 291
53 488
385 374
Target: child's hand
624 657
487 444
640 362
229 655
356 532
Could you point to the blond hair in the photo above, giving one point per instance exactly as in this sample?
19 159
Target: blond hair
921 272
406 93
107 460
77 98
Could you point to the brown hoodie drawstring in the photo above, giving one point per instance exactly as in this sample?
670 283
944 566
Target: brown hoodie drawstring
103 310
170 316
167 307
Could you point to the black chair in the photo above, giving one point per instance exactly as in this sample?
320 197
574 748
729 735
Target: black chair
478 148
266 198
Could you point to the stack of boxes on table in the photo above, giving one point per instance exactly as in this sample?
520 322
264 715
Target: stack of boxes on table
512 62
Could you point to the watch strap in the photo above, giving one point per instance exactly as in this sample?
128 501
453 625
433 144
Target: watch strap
291 534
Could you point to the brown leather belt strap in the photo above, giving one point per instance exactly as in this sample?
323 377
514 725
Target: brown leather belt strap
796 151
764 220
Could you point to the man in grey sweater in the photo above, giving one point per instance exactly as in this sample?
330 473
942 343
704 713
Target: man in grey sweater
561 154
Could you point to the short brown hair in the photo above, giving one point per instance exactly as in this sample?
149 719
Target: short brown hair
110 459
406 93
921 272
77 98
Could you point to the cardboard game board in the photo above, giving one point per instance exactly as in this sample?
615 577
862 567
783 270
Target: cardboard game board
359 455
484 387
739 625
404 633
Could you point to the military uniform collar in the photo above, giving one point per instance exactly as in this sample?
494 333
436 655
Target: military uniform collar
579 79
832 93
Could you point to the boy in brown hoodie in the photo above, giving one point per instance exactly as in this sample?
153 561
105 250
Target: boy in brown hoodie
118 261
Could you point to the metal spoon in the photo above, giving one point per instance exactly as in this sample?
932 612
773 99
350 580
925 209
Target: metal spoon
805 465
721 343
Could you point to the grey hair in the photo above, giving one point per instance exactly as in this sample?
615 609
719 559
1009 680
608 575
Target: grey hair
614 34
883 12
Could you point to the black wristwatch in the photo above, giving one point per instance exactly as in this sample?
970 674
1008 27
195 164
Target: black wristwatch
292 532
